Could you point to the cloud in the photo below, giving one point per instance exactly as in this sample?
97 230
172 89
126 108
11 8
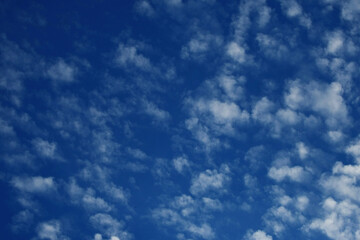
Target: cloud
170 217
354 150
339 221
204 231
350 170
302 149
144 8
128 55
293 10
180 163
258 235
34 184
154 111
224 113
109 226
136 153
262 111
236 52
232 86
324 99
211 180
296 173
62 71
50 230
45 149
271 47
200 45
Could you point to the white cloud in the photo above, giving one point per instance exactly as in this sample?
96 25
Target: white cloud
198 46
232 86
34 184
95 203
144 8
296 173
236 52
262 111
45 148
180 163
213 204
127 55
350 170
204 231
271 47
354 150
288 116
339 221
342 185
50 230
335 136
136 153
109 226
293 10
302 149
258 235
226 112
210 180
324 99
154 111
302 202
62 71
182 222
350 9
98 236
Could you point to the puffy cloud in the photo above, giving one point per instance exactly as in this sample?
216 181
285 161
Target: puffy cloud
154 111
128 55
354 150
95 203
262 110
144 8
50 230
221 112
180 163
342 185
109 226
335 136
324 99
350 9
271 47
226 112
62 71
204 231
350 170
232 86
210 180
213 204
296 173
200 45
302 149
34 184
293 10
236 52
181 221
44 148
335 42
340 220
258 235
136 153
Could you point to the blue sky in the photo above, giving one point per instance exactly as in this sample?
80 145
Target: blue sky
180 119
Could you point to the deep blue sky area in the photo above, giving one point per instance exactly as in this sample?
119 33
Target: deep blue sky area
180 119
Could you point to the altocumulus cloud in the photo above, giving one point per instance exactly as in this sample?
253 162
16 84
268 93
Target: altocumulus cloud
180 119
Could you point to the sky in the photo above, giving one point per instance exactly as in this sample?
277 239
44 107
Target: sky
180 119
